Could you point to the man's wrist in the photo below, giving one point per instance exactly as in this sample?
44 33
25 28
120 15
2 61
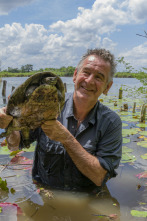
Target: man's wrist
13 140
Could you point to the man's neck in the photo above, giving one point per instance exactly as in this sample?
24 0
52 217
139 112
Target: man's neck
81 109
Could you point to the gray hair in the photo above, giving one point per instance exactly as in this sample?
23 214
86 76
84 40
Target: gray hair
102 53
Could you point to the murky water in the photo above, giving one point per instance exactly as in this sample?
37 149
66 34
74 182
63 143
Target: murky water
123 194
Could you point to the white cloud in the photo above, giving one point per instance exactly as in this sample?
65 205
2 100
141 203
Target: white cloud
137 56
102 18
65 42
7 5
138 10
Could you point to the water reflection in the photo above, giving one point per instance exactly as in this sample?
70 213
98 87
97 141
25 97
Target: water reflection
4 100
38 202
73 206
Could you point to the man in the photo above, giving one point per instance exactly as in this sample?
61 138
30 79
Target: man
82 148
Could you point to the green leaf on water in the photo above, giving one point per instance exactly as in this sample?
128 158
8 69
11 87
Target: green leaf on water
124 125
127 157
30 149
4 150
3 185
144 156
129 119
13 153
139 213
132 131
12 190
0 209
142 143
144 133
126 149
141 125
126 140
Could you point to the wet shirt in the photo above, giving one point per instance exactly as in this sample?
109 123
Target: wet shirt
100 134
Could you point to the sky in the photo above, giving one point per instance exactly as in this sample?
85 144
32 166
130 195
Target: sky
55 33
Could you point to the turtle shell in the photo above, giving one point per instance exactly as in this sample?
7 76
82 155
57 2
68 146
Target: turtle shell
40 98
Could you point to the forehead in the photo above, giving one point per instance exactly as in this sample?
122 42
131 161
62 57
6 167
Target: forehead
93 61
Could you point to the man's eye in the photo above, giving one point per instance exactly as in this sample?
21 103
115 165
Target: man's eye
99 78
86 73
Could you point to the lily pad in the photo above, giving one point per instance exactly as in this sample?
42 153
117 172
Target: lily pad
144 156
143 133
141 125
127 157
5 151
10 210
124 125
126 140
142 143
142 175
139 213
20 160
129 119
126 149
131 131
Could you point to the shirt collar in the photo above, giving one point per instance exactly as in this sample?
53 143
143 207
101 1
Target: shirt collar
91 115
70 106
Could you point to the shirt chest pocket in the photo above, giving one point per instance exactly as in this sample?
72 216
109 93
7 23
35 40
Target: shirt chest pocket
51 155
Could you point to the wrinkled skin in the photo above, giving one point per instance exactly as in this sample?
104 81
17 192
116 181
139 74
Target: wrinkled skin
40 98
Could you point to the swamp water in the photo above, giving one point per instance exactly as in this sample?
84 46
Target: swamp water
124 199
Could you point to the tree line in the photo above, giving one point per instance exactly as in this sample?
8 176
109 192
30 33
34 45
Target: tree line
63 71
23 69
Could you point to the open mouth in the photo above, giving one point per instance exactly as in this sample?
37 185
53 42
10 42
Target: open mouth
87 89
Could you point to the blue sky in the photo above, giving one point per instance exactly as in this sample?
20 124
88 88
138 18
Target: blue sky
56 33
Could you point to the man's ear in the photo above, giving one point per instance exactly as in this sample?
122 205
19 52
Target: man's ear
108 87
75 75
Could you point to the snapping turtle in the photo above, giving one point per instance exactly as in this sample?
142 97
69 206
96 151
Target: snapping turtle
40 98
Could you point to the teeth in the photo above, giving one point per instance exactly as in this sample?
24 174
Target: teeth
86 89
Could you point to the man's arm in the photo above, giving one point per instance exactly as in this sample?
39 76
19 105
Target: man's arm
13 140
88 164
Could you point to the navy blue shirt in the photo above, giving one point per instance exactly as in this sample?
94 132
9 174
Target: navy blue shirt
100 134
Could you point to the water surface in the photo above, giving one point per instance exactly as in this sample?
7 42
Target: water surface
123 194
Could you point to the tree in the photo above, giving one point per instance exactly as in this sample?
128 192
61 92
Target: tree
27 68
128 67
143 35
13 70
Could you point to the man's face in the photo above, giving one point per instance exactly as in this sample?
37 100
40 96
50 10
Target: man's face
92 79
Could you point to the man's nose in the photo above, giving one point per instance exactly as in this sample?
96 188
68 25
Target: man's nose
90 79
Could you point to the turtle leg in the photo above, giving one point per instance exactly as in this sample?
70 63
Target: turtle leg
25 132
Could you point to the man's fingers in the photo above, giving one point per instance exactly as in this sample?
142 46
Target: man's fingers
4 118
49 123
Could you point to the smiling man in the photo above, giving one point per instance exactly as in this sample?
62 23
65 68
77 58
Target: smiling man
82 149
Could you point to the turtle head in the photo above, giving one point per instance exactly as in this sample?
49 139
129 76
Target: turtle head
49 80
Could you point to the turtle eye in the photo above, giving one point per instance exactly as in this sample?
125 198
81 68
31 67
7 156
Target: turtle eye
49 80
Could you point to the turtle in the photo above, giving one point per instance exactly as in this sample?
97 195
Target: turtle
40 98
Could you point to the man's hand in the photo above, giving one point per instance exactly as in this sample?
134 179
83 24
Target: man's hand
13 141
55 130
4 118
85 162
